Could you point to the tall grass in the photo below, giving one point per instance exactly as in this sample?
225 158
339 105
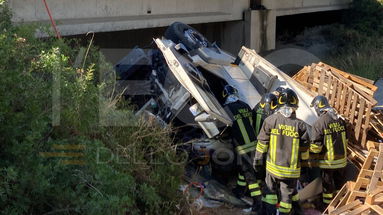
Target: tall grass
359 40
127 170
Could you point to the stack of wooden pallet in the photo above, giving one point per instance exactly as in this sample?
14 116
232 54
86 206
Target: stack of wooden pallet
351 96
365 196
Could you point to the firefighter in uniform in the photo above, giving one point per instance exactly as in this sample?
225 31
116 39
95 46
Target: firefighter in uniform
266 107
263 109
329 140
284 140
244 141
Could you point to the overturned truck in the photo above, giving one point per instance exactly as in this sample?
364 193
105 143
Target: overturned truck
185 75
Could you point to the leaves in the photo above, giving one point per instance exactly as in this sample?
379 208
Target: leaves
38 80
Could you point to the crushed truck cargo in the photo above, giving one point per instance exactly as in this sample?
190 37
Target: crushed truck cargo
186 75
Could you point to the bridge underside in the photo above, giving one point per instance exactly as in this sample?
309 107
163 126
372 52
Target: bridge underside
256 27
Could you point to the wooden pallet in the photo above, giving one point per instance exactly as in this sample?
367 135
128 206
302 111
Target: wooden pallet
365 196
349 95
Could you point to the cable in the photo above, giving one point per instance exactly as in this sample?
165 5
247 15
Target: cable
52 20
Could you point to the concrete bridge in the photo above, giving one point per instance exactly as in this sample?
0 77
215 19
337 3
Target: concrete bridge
256 28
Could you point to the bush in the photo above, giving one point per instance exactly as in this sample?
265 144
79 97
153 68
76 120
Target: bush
359 40
32 182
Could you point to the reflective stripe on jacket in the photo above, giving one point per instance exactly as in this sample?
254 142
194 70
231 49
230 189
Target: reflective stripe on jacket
329 141
286 143
242 128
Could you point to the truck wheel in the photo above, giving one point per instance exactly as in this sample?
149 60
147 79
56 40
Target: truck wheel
181 33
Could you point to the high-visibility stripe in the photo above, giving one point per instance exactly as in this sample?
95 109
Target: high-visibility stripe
262 148
286 205
241 183
327 201
295 197
258 123
284 210
245 151
334 164
330 147
253 186
241 177
255 193
246 146
294 153
282 171
328 195
270 199
344 140
315 148
305 155
273 148
244 133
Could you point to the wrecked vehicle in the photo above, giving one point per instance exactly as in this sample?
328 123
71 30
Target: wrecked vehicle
185 75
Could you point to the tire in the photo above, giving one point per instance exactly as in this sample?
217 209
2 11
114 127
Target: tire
181 33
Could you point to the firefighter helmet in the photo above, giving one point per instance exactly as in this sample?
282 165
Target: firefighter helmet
320 103
269 103
278 91
288 98
229 90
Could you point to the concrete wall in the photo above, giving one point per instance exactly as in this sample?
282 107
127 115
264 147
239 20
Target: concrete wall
81 16
260 25
291 7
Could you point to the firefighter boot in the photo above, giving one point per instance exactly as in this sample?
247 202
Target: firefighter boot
257 208
239 191
270 209
297 209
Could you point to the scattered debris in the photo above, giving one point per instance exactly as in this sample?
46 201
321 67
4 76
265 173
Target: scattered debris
365 196
351 96
180 82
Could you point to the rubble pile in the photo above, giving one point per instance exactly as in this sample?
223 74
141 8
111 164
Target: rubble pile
365 195
352 97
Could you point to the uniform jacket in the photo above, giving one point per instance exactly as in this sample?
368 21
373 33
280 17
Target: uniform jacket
242 129
285 142
329 140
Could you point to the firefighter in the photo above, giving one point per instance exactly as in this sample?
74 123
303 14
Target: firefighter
244 140
267 106
284 139
329 140
263 109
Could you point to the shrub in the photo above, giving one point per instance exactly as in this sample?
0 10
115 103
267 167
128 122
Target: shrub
32 182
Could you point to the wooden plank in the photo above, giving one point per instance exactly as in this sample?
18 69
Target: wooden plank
368 161
377 209
360 118
328 86
346 207
354 195
339 95
368 84
366 124
334 84
321 82
356 89
343 100
377 172
371 145
344 200
341 196
352 111
349 103
359 210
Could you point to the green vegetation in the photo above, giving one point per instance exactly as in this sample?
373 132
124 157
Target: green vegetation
359 40
140 181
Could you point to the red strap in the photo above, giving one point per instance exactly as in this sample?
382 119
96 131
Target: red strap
52 20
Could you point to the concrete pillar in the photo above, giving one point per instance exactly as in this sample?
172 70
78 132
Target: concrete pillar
260 29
